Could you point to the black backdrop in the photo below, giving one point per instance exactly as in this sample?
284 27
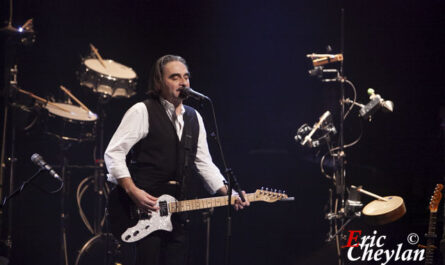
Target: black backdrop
249 57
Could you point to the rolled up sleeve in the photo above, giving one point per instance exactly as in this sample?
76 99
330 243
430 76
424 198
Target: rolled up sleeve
211 175
133 127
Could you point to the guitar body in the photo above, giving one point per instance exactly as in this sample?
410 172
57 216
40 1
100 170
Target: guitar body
129 224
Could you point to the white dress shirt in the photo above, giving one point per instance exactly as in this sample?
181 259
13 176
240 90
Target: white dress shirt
134 127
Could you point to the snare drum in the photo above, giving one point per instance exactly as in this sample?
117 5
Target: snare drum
113 80
71 123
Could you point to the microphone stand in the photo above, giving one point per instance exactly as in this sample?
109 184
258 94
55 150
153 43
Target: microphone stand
100 231
21 188
207 216
231 183
24 184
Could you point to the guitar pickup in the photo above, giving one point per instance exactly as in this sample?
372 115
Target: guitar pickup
163 211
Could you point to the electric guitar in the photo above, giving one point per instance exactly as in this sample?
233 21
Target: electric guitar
130 224
431 235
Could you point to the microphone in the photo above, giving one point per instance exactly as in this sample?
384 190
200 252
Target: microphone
308 137
376 102
322 59
189 92
303 130
38 160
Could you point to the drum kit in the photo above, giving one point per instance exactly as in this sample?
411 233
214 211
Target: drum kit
105 78
69 124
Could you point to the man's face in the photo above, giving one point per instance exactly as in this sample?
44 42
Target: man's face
175 77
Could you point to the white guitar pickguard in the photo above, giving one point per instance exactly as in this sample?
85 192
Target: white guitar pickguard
144 227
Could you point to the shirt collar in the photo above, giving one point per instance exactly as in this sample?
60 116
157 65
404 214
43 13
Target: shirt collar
168 106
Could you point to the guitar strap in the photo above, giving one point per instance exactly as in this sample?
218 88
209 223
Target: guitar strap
187 145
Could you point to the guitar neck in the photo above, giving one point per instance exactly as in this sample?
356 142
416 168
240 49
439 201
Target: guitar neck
432 224
198 204
431 235
429 253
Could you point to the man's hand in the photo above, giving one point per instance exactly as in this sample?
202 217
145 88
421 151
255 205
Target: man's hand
141 198
238 205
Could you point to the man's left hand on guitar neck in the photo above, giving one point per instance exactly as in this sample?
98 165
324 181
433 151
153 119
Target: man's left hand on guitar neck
238 205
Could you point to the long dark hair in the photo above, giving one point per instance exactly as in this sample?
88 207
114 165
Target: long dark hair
157 70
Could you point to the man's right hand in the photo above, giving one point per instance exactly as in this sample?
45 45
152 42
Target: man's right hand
141 198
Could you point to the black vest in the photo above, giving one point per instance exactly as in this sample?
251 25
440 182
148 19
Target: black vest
161 157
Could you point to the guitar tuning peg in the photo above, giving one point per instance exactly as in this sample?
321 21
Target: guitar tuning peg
275 190
280 191
267 189
284 192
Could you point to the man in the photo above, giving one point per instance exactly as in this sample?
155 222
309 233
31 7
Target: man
168 140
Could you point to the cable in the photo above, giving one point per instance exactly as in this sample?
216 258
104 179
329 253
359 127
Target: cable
79 194
322 168
355 97
354 142
216 136
49 192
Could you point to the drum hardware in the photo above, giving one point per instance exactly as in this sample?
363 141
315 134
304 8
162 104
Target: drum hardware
67 122
14 38
351 211
107 78
341 210
353 204
104 248
23 35
99 227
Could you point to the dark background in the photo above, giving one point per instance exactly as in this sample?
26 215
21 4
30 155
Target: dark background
249 57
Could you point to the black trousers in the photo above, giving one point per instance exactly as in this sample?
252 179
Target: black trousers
164 248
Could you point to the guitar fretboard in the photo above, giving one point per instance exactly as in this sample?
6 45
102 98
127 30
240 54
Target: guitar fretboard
198 204
429 253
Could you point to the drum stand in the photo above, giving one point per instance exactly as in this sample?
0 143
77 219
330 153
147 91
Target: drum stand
100 192
64 214
13 39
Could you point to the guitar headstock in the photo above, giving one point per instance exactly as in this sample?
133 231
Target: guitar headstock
269 195
435 199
